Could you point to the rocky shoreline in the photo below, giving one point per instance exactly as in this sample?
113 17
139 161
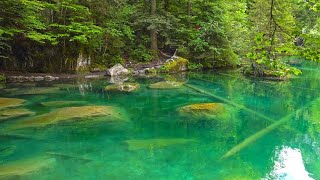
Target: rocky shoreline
31 77
117 73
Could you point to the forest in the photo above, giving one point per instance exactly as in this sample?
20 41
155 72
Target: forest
160 89
258 35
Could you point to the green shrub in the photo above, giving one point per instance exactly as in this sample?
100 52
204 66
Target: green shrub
194 66
141 53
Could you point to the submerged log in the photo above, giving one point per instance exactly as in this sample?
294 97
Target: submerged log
262 133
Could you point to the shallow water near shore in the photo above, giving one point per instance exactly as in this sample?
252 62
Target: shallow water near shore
148 138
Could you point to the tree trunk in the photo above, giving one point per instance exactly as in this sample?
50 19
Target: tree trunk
189 7
153 32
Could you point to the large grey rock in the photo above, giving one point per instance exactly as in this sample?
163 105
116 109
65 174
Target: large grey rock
117 70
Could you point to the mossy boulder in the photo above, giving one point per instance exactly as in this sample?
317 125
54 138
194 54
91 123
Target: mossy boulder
176 65
155 143
124 87
203 110
10 102
166 85
83 113
25 166
13 113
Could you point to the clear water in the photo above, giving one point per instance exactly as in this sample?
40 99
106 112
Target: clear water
99 149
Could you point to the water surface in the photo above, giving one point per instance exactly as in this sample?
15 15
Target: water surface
154 141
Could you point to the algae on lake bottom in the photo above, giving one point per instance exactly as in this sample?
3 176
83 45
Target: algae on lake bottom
136 144
62 103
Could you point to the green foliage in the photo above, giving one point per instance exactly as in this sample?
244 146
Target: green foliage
141 53
194 66
49 35
2 78
273 38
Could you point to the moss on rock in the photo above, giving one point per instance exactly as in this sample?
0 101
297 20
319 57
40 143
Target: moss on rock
177 65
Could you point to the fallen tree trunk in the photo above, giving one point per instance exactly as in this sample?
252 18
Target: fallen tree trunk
261 133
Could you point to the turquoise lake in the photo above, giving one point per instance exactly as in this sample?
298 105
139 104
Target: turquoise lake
267 130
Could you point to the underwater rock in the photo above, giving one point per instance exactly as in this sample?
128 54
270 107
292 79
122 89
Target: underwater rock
26 166
125 87
155 143
13 113
62 103
117 70
204 110
10 102
82 113
166 85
